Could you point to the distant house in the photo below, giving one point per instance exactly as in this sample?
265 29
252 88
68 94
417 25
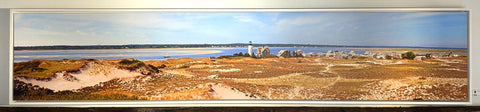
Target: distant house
367 53
212 58
420 58
338 54
330 53
393 54
299 53
263 51
311 54
352 53
321 54
341 55
448 54
443 54
399 56
349 57
284 53
381 56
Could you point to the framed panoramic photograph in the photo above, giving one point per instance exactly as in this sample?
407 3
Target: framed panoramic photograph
241 55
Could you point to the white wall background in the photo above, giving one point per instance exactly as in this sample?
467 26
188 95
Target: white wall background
5 5
4 53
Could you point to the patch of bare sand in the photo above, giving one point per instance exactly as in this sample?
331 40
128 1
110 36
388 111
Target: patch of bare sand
90 75
191 94
225 92
210 91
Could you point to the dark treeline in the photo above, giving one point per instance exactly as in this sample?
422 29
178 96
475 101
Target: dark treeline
60 47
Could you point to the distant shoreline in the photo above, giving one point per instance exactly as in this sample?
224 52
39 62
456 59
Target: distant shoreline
201 51
186 46
362 48
120 49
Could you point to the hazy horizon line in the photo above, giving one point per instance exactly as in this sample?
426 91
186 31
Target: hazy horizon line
326 45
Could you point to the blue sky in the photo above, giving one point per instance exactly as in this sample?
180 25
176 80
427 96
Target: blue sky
421 29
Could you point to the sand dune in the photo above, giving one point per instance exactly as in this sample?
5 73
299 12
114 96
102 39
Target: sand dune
89 75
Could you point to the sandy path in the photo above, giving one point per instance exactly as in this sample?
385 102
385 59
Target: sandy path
333 83
327 68
225 92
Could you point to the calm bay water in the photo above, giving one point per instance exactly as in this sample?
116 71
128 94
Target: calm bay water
150 54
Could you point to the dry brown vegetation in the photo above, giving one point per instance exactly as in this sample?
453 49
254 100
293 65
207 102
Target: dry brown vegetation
419 50
443 79
158 87
204 93
257 68
293 80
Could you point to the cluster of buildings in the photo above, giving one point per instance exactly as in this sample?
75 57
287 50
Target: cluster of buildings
263 51
345 55
376 55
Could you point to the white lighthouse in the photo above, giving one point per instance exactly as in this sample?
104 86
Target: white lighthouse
250 49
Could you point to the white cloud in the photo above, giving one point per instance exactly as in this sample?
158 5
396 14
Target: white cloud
32 37
91 29
275 16
31 31
243 18
355 27
309 23
140 20
249 19
303 20
148 21
37 37
81 32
